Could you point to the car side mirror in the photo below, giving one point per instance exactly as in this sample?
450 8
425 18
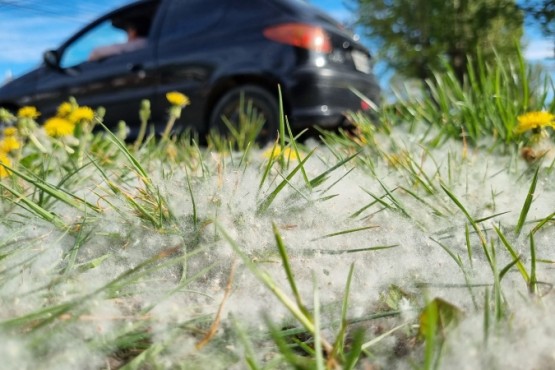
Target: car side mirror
51 59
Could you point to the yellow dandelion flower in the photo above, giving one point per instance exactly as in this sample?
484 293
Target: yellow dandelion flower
64 109
58 127
534 120
10 131
81 114
272 152
9 144
177 98
288 153
28 112
4 159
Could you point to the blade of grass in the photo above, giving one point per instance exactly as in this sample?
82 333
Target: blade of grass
287 267
80 239
304 345
281 128
459 263
315 182
320 365
382 336
487 319
356 349
293 143
394 200
527 203
34 208
465 212
195 216
250 357
294 361
68 198
38 318
298 191
379 200
468 245
270 283
435 210
480 220
130 157
94 263
345 232
356 250
337 181
364 98
324 199
265 204
533 288
507 268
430 335
498 295
542 223
269 165
514 255
339 345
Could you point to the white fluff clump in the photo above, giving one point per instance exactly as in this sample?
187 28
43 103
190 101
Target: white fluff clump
168 284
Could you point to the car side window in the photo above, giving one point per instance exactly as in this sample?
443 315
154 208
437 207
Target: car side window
185 18
101 35
125 31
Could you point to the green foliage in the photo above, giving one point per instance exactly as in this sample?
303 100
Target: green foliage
485 105
543 12
415 36
436 319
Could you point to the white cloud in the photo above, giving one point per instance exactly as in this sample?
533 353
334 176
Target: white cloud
539 49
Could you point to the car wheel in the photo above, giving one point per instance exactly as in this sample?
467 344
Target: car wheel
250 110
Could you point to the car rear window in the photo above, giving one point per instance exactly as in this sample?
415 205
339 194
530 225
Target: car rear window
301 7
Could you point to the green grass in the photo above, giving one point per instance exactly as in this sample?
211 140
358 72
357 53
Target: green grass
373 247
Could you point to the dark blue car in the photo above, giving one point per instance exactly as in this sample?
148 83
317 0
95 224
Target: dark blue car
214 51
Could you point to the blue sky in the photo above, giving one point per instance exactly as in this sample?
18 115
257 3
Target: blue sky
29 27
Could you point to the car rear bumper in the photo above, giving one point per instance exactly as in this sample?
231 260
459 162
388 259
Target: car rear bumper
323 97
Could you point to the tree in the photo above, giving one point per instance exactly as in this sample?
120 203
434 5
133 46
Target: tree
543 12
416 36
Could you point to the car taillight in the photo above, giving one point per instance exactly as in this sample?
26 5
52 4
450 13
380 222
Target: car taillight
301 35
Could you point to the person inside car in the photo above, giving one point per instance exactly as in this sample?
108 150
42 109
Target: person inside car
136 39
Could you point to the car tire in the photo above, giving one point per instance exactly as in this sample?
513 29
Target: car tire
263 103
